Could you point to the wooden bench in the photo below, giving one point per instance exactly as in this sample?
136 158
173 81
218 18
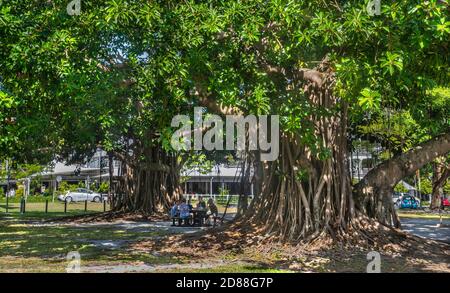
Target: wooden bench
187 221
175 219
199 220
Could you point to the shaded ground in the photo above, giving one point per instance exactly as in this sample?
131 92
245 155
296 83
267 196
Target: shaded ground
400 251
427 228
30 244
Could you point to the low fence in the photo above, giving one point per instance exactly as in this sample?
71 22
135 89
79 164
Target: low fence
52 207
56 207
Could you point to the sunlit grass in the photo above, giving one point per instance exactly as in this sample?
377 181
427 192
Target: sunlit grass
54 209
28 244
34 247
422 215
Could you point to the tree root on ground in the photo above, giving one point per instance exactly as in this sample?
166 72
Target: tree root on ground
362 235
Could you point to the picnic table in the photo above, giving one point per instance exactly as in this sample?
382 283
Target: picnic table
199 216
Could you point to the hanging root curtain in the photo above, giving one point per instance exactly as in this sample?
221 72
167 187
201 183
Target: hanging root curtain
149 185
304 194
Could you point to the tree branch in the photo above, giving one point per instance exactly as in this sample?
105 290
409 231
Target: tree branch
390 172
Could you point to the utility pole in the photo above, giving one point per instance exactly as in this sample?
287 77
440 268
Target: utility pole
100 167
7 178
111 174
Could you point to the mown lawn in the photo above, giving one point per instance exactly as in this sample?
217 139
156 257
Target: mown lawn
54 209
28 246
28 243
422 214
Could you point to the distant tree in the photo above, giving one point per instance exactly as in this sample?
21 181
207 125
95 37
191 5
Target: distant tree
400 188
425 186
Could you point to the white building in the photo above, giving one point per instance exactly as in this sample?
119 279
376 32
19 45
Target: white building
210 184
94 171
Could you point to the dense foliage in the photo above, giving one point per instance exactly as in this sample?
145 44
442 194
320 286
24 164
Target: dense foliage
116 75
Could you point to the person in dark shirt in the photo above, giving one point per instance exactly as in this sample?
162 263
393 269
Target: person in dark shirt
213 211
201 203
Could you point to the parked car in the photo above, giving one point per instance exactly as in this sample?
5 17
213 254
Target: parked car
81 194
409 202
396 197
445 202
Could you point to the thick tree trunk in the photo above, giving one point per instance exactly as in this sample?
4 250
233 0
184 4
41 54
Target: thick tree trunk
373 192
307 192
150 185
243 187
440 174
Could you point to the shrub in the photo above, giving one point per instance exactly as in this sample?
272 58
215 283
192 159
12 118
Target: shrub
20 191
222 200
400 188
103 188
426 186
447 187
223 191
65 186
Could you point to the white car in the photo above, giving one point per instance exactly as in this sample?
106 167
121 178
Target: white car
81 194
396 196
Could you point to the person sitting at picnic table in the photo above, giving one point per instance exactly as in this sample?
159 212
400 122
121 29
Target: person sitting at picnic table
174 211
190 205
212 210
185 213
201 205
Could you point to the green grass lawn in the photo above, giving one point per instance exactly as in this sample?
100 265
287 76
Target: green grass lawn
29 244
55 209
422 215
27 247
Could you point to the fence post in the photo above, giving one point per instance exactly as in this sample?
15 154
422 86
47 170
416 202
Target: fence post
104 205
65 206
85 206
7 203
46 206
24 205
